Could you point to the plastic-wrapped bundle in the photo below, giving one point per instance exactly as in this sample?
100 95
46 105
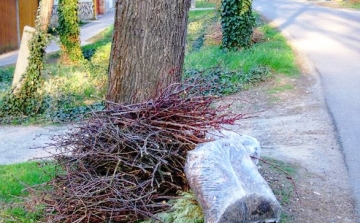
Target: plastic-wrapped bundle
227 184
251 144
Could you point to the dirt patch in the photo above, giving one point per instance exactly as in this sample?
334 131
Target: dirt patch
291 121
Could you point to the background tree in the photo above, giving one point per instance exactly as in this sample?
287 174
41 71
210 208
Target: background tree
148 48
237 23
45 13
69 31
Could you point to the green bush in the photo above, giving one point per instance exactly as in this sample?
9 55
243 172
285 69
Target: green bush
237 23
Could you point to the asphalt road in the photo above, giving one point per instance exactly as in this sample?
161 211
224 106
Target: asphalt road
330 38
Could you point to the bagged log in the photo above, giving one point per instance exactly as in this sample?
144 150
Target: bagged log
251 144
228 186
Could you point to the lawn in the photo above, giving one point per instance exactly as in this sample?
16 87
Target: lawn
15 180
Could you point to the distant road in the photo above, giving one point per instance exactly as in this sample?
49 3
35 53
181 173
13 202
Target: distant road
331 40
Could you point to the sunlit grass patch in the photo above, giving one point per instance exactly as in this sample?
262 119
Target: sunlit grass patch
98 41
14 181
197 26
200 14
204 4
15 177
274 53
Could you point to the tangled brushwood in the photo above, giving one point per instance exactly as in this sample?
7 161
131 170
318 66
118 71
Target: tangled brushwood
126 162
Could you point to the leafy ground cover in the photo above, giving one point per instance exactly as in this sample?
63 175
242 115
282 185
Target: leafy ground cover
233 71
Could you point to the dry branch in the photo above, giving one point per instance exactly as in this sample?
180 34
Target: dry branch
126 162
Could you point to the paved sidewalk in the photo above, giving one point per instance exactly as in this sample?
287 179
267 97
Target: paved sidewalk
21 143
87 31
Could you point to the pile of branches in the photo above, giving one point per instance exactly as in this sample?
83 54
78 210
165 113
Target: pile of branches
126 162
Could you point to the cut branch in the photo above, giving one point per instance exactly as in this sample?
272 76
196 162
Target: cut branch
126 162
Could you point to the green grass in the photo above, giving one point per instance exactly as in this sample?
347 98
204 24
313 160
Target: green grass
6 76
355 6
204 4
200 15
198 23
69 91
350 5
98 41
274 53
14 179
233 71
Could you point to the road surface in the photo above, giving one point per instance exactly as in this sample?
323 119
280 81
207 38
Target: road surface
330 38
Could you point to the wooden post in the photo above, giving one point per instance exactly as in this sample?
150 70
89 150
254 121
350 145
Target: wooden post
95 9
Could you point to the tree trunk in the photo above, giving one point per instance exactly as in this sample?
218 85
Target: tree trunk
193 4
46 7
148 48
69 32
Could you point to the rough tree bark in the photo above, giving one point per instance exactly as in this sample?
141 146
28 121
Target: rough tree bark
148 48
46 7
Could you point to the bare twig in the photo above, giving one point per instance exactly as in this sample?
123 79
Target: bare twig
125 162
